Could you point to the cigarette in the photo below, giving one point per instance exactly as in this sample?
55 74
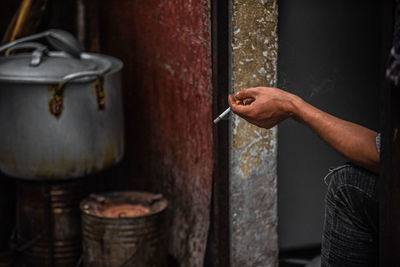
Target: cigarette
226 112
223 114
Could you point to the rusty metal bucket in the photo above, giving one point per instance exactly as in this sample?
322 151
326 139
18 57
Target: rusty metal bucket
48 222
124 229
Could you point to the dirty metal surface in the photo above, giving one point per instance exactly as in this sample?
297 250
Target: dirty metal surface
48 222
253 191
166 47
74 140
124 241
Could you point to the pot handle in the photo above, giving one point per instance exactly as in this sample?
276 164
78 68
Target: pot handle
56 102
88 73
59 39
37 54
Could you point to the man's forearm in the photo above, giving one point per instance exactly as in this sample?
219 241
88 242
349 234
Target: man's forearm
355 142
268 106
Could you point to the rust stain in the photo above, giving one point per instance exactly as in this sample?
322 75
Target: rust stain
98 86
56 103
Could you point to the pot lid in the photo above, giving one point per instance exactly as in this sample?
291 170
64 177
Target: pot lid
53 67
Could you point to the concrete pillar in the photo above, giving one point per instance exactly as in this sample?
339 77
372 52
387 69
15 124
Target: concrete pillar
253 192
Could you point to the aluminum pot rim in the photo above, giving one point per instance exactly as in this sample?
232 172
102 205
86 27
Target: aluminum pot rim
116 65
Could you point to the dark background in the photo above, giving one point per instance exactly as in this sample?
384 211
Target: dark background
330 55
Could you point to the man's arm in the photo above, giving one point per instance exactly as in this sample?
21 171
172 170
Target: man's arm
266 107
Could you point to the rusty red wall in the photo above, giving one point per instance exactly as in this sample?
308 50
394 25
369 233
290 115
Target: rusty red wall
166 49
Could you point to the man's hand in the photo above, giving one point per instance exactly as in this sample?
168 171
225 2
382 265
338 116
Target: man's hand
263 106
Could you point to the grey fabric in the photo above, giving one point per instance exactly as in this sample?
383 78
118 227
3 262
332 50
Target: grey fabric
350 235
393 68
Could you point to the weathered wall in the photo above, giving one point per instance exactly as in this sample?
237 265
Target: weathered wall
253 152
166 47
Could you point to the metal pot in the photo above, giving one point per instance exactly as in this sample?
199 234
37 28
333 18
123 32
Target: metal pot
60 111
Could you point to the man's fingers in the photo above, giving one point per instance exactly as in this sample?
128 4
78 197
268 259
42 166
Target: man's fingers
246 93
239 109
248 101
231 100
